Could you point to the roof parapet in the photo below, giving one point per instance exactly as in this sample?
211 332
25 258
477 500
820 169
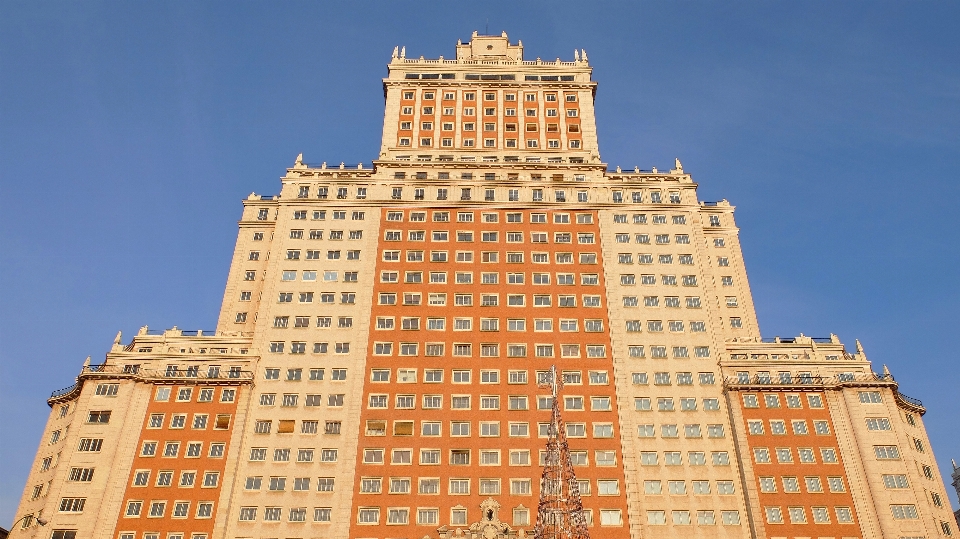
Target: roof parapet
488 50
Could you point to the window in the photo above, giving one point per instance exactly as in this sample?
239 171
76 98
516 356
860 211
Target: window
100 416
72 505
895 481
656 518
878 423
886 452
133 510
771 400
904 512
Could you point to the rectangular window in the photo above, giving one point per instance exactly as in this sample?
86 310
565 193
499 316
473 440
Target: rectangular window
895 481
904 512
878 423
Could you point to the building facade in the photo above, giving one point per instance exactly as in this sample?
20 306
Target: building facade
374 372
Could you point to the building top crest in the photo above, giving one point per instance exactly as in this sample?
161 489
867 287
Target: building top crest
489 47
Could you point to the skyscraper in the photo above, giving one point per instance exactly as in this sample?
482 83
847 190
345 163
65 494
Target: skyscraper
374 372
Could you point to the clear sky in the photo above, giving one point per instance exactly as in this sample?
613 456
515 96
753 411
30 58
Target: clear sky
129 132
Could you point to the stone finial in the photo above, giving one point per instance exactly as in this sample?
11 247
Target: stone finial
403 52
86 362
636 170
886 371
583 54
654 170
859 346
117 342
677 166
396 52
298 163
341 165
253 196
143 330
618 169
954 462
576 55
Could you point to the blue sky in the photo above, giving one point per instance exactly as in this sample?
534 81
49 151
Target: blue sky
129 132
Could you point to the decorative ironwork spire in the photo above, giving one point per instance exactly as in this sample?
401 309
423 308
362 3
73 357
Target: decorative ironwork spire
560 511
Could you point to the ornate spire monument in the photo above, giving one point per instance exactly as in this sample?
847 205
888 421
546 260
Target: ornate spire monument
560 512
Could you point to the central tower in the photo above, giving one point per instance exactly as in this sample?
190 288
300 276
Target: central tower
489 102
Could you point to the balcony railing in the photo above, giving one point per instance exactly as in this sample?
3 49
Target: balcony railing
125 371
64 391
841 378
837 381
808 379
166 373
774 380
910 400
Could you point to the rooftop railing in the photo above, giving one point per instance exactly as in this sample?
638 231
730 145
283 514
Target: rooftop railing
496 61
198 333
192 332
339 166
793 340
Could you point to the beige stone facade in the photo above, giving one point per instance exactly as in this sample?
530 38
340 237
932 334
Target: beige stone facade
374 369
